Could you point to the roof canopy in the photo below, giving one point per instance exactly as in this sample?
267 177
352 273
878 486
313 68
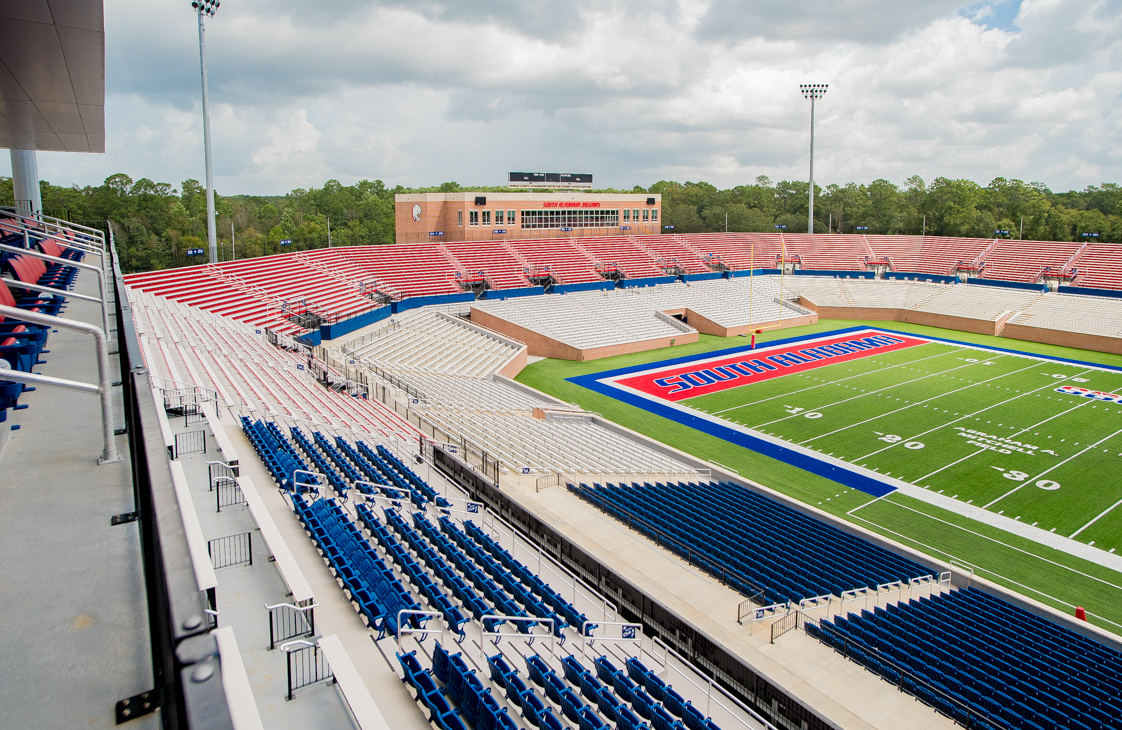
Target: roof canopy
52 75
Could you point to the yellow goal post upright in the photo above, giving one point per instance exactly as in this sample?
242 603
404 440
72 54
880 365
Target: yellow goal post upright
753 330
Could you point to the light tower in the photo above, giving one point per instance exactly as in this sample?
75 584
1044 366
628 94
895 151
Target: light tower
812 92
208 8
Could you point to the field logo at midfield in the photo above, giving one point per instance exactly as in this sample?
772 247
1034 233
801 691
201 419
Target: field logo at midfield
704 376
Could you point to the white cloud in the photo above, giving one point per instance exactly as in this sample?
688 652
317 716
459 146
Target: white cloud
290 156
424 92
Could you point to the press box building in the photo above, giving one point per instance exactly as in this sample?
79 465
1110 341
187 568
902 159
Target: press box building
477 216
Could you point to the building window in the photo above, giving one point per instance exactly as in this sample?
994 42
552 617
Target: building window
646 215
510 217
473 217
626 215
654 214
568 218
635 215
498 217
486 217
460 218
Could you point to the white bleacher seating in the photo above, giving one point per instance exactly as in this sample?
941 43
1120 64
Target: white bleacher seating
598 319
189 346
977 302
1073 313
425 341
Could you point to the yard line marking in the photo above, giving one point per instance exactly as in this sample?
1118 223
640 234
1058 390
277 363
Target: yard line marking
917 403
985 537
866 504
842 380
948 466
980 569
887 387
1052 468
983 410
1096 519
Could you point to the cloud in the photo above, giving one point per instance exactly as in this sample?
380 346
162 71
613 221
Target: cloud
422 92
290 155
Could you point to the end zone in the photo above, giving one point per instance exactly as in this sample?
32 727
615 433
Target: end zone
843 345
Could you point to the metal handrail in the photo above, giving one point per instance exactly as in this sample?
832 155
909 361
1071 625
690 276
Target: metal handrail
67 262
422 630
498 619
49 290
669 651
556 566
104 387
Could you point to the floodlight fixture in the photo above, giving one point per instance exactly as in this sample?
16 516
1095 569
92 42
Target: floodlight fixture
207 8
813 92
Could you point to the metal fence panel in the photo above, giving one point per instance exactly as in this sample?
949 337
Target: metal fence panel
231 550
190 442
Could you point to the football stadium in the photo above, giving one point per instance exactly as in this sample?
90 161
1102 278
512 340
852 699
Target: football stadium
646 481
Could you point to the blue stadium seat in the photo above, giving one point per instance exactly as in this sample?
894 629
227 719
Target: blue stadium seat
985 658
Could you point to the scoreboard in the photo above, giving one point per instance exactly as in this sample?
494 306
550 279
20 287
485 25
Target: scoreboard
580 181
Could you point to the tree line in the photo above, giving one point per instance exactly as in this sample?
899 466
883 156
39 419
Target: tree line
156 224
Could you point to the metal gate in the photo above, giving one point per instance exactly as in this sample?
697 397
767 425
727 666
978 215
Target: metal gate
306 665
227 493
231 550
287 621
191 442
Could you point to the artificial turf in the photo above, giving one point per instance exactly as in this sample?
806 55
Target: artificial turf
966 414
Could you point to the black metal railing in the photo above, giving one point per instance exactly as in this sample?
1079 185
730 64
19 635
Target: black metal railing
288 621
219 470
227 493
231 550
186 675
306 666
785 623
190 442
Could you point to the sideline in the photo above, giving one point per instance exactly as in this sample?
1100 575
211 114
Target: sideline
980 569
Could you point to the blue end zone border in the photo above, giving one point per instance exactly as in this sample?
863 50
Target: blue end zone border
787 455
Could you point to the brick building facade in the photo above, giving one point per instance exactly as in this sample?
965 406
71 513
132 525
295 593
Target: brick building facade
468 216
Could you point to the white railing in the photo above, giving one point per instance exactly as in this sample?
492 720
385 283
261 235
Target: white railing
715 695
546 562
630 633
761 613
402 628
498 635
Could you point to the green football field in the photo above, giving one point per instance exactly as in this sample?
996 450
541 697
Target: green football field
986 428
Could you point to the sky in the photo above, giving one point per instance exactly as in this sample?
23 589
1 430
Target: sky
419 92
